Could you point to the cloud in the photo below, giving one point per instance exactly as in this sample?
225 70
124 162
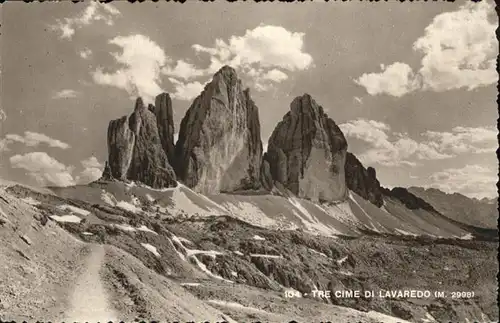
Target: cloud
471 180
32 139
459 51
91 162
92 170
396 80
186 91
85 53
45 169
89 175
94 12
265 54
466 140
183 70
268 46
141 60
390 148
65 94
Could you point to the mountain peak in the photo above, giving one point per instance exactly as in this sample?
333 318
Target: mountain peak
307 153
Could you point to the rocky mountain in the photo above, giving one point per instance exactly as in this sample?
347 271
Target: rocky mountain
209 228
481 213
138 147
363 180
307 153
410 200
219 147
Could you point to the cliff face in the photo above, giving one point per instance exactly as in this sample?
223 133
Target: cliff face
165 124
219 147
307 153
135 150
363 181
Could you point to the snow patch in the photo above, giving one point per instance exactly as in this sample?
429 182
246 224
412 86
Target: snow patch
87 233
342 260
184 240
236 306
406 233
151 248
150 198
108 198
239 253
468 236
234 274
317 252
258 255
190 284
128 206
146 229
66 218
208 272
124 227
345 272
73 209
257 237
385 318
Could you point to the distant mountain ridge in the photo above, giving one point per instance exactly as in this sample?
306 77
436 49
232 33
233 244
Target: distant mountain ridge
481 213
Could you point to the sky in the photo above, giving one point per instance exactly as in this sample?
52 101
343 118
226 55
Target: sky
411 85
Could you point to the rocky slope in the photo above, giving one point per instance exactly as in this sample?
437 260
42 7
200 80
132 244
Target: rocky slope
138 147
219 147
307 153
461 208
156 265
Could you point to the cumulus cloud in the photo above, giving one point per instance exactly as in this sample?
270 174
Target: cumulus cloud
183 70
89 175
91 162
65 94
459 51
266 54
32 139
85 53
94 12
141 60
92 170
471 180
396 80
45 169
391 148
186 91
466 139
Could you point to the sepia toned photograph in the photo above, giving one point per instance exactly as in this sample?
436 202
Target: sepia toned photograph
246 161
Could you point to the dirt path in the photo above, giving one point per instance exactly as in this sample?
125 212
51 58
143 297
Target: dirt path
89 300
